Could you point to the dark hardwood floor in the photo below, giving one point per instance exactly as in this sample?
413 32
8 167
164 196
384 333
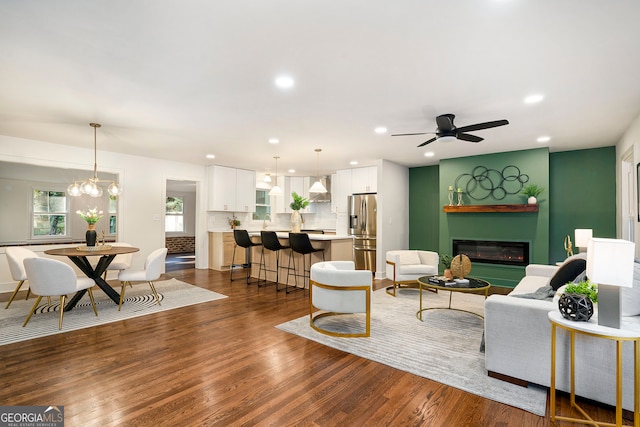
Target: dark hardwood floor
223 363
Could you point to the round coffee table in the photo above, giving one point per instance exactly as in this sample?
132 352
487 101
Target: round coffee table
474 286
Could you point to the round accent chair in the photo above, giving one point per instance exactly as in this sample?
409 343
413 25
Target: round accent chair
336 288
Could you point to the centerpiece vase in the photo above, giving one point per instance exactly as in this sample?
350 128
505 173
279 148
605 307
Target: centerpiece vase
91 236
295 221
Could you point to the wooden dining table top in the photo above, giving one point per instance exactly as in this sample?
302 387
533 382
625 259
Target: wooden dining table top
77 251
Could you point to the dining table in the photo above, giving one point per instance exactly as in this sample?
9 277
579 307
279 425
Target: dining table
79 256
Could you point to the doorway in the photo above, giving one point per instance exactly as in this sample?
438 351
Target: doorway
180 224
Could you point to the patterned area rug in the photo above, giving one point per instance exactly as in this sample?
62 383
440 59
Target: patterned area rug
139 301
444 348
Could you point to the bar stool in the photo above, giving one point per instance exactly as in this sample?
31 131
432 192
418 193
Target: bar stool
301 244
270 241
244 241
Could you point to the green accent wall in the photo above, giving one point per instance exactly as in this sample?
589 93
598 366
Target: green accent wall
583 184
580 192
424 208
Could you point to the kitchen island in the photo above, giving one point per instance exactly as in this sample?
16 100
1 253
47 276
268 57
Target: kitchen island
336 248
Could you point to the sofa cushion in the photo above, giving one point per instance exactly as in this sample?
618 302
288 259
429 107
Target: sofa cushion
409 257
417 269
630 297
568 271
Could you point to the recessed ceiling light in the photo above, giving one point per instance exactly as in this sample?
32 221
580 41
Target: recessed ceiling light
429 154
284 82
380 130
273 140
292 171
211 156
544 139
532 99
353 162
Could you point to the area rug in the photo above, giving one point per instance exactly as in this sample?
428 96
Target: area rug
139 301
445 347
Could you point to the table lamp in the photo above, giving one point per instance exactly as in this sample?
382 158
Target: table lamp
610 265
583 235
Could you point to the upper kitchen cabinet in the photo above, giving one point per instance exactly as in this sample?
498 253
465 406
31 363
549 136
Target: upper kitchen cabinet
340 190
364 180
231 189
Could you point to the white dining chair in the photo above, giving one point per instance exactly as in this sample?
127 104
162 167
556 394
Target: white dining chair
15 257
50 277
151 271
121 261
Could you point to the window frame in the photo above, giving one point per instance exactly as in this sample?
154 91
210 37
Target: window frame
49 188
168 214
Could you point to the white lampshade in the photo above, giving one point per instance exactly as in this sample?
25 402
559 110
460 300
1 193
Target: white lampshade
583 235
610 261
275 191
267 178
317 187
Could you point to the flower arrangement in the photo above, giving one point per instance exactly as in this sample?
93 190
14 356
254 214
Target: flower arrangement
90 215
299 202
233 221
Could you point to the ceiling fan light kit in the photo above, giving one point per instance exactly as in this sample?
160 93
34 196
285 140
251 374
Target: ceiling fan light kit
447 131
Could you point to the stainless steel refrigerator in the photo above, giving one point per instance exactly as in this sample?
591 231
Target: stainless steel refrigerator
362 226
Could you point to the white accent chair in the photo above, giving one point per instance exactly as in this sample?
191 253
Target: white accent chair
50 277
15 257
404 267
151 271
335 288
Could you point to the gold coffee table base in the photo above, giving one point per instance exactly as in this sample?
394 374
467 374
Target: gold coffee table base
478 285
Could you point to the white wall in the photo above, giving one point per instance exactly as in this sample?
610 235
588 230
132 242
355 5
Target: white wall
141 205
393 211
630 139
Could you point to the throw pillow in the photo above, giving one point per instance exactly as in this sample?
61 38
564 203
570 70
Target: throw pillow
567 272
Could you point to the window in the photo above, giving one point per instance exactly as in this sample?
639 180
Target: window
113 216
174 214
263 206
49 213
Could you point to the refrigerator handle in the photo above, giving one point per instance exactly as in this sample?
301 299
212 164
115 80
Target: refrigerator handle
364 211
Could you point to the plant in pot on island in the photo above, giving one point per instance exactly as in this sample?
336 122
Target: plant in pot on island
532 191
298 203
233 222
445 260
577 299
92 216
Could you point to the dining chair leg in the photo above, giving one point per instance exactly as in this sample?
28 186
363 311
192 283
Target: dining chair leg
62 300
155 294
93 301
33 310
13 295
124 286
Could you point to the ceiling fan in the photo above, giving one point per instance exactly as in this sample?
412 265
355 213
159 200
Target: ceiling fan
446 129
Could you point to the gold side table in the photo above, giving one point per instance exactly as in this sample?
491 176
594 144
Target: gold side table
593 329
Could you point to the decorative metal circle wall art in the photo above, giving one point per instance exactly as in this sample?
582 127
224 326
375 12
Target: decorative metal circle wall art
483 182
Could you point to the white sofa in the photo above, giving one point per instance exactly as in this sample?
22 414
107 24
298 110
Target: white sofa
518 342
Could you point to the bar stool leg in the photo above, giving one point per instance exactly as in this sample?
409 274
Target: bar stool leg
233 258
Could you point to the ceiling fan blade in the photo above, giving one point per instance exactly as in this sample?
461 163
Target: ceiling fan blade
469 137
408 134
427 142
445 123
480 126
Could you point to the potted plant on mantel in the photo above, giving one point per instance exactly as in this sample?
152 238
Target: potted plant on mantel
576 302
532 191
298 203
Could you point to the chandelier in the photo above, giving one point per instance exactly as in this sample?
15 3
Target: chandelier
90 186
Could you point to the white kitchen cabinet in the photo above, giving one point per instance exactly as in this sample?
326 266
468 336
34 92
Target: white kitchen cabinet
340 190
364 180
231 190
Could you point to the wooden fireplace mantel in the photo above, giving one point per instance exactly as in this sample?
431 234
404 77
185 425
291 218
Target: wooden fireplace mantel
490 208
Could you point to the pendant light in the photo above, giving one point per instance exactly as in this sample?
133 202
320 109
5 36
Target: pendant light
317 186
90 186
275 190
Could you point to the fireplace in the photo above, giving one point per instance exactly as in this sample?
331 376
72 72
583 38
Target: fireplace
493 252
